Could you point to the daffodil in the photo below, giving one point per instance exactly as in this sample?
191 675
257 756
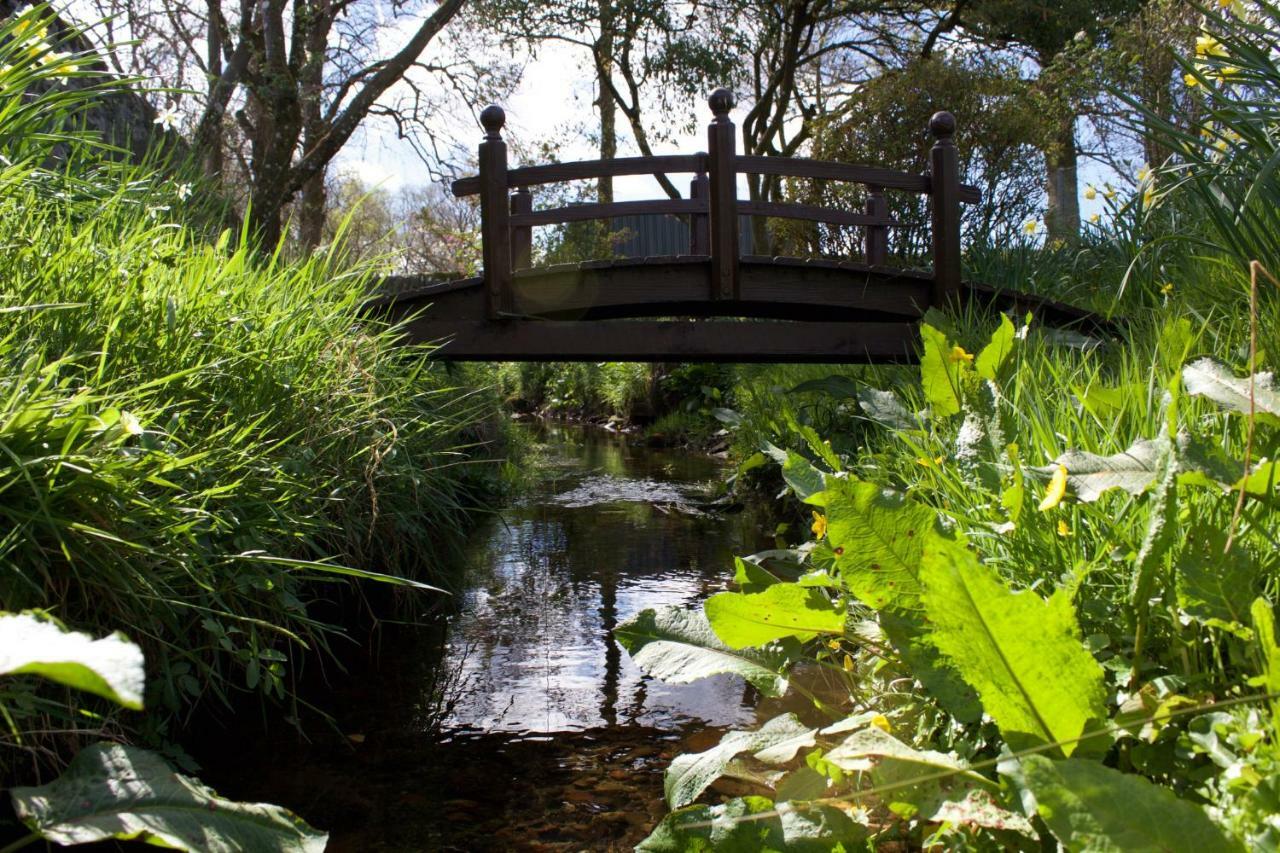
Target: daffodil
1056 490
1191 80
1064 529
819 526
1095 218
1207 45
1144 172
1090 193
1110 192
30 28
1166 288
958 354
1031 226
168 118
184 192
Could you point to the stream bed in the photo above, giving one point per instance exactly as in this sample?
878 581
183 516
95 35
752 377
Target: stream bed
517 722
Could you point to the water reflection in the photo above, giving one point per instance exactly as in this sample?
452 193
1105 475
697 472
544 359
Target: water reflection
613 529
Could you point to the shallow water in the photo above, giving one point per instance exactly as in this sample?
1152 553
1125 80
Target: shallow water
518 722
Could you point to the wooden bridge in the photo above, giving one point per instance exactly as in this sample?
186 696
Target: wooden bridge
712 304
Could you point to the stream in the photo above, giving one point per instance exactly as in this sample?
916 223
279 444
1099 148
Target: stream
517 722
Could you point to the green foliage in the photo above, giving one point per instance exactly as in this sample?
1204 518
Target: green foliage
110 667
112 791
1090 808
744 620
197 441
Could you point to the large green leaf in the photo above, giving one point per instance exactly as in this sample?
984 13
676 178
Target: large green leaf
690 774
110 667
994 357
1090 476
1021 653
880 537
910 636
1092 808
941 373
747 619
1216 381
678 645
923 783
1215 588
1264 633
754 824
111 791
797 472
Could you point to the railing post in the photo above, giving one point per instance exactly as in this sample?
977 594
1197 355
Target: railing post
699 225
877 235
521 235
944 179
724 197
495 230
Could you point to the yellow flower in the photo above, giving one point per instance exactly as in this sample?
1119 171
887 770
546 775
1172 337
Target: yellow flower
1191 80
1056 490
1166 288
880 721
848 663
958 354
1031 226
1148 195
819 526
1110 191
1063 528
925 462
1144 172
833 644
1207 45
1095 218
1090 193
30 28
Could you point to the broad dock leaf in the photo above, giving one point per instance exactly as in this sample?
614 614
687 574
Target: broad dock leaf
1021 653
1209 378
940 373
1091 476
1092 808
752 619
112 791
753 824
110 667
689 774
677 645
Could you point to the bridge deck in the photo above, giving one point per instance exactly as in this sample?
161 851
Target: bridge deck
654 309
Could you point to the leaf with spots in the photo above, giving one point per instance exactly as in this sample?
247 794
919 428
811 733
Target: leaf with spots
751 619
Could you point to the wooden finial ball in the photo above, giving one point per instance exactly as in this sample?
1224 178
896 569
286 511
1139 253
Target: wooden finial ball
721 101
942 125
492 119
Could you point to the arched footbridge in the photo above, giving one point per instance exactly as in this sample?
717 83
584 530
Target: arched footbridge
712 303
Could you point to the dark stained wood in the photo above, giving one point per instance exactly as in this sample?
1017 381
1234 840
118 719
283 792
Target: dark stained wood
945 208
787 210
667 340
700 224
495 232
580 212
552 173
795 168
521 235
970 194
723 176
877 236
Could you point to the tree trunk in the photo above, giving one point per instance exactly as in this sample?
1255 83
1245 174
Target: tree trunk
311 214
608 109
1062 219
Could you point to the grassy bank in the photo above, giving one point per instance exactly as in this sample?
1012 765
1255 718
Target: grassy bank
199 442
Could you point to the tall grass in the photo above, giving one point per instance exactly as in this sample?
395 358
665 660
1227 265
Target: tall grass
199 443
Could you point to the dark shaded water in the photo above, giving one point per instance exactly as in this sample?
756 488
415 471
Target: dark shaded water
519 723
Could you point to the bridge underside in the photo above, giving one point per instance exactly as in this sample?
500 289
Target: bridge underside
658 309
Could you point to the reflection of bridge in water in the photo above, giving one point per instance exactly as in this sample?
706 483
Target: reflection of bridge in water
600 541
713 303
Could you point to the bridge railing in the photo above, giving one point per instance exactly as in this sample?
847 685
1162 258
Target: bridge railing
507 217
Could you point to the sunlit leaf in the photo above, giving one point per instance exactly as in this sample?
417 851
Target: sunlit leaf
745 620
112 791
1214 380
1022 654
995 355
677 645
1090 476
754 824
690 774
1214 587
1092 808
110 667
940 373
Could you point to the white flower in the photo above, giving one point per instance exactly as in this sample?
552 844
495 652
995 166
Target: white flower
184 192
167 118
